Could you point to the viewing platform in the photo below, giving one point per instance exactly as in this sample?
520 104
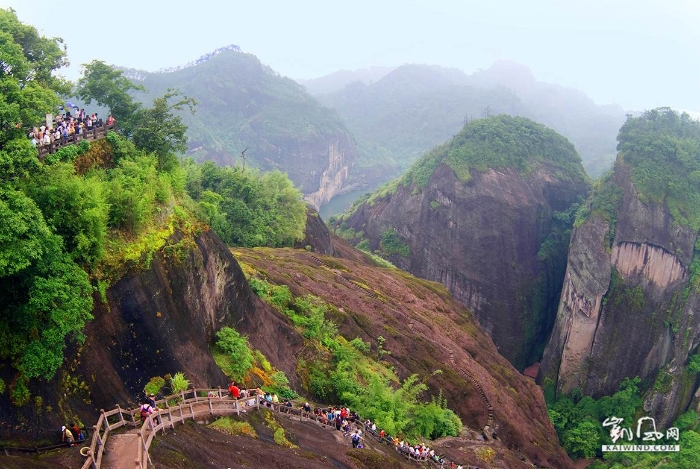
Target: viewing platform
95 133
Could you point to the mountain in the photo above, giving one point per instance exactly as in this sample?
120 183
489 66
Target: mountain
409 111
338 80
630 295
415 107
590 127
486 214
245 105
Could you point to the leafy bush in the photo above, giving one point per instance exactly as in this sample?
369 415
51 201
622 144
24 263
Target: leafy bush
179 383
247 208
236 347
280 386
392 244
694 363
154 385
19 392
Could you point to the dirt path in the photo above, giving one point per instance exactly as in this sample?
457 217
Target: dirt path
121 450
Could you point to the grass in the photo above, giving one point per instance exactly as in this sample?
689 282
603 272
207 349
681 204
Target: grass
234 427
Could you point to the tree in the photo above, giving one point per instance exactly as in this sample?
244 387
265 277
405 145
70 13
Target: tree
28 89
109 87
583 439
45 298
158 130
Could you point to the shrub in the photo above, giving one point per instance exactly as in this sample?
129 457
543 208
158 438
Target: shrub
154 385
391 243
235 346
179 383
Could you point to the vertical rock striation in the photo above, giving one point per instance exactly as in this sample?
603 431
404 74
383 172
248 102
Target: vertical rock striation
629 302
495 237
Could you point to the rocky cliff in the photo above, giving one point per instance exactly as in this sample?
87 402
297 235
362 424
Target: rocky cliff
489 222
163 320
630 291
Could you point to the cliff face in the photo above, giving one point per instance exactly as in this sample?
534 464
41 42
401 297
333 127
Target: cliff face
492 241
319 168
627 306
163 320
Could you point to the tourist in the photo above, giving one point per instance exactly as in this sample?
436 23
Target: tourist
77 432
234 390
355 439
66 436
145 411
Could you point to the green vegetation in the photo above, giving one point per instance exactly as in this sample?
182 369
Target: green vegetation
663 149
500 141
76 222
154 385
278 432
349 371
687 458
238 356
247 208
391 244
108 87
578 419
178 383
234 427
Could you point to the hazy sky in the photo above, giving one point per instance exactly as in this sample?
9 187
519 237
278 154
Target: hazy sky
637 53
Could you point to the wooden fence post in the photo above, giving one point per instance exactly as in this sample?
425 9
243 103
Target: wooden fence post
121 417
106 422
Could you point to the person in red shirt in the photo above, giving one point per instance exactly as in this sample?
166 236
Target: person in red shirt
234 391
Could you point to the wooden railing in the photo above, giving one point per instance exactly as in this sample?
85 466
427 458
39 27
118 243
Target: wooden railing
183 406
92 134
176 408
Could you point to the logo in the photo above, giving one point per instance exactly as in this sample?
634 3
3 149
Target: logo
646 430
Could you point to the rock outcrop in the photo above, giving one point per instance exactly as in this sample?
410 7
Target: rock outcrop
493 239
163 320
630 300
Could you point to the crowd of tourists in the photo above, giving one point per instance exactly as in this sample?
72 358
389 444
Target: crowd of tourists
348 422
65 126
341 418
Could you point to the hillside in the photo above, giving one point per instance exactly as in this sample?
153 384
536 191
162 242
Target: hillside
488 215
241 104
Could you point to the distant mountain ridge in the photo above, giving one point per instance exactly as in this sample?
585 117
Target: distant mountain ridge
415 107
338 80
